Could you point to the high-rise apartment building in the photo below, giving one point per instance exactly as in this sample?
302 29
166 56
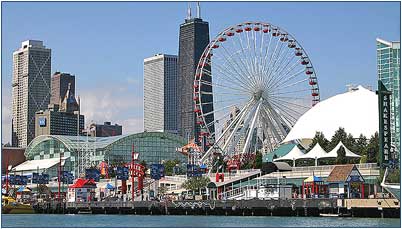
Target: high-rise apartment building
193 39
389 72
30 89
59 86
160 93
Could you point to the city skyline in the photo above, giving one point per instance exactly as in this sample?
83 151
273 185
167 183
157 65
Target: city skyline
122 103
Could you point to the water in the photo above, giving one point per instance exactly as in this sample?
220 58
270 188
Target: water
42 220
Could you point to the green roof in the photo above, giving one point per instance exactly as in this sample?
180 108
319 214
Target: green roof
279 152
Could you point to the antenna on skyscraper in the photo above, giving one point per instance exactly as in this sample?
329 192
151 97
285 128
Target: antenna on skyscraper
198 10
189 11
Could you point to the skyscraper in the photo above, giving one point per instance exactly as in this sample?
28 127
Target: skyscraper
193 39
160 93
389 72
30 89
59 86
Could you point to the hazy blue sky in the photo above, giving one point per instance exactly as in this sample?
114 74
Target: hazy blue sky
104 44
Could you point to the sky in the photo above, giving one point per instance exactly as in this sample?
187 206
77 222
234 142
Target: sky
104 43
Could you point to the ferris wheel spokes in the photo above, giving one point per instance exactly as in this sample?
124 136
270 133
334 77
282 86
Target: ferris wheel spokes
218 141
251 129
269 80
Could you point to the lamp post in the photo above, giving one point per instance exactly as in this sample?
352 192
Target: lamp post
134 157
115 180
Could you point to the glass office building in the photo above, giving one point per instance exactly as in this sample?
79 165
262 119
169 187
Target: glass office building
389 72
153 147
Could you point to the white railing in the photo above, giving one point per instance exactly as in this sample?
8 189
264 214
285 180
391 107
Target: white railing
174 178
370 169
330 167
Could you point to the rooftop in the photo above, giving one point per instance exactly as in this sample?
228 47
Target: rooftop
340 173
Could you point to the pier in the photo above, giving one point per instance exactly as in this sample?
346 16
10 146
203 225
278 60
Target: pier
379 208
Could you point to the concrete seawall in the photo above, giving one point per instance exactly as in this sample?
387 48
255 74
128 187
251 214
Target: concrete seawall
292 207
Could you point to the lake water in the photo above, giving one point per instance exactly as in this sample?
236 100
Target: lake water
42 220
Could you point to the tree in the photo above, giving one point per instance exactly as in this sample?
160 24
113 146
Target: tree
162 190
394 176
169 165
360 145
372 149
144 163
350 142
320 139
258 160
217 162
341 158
363 159
196 183
340 135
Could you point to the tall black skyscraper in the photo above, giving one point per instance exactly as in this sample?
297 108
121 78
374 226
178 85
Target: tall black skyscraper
193 38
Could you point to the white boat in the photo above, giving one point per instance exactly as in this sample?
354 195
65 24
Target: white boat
394 189
329 215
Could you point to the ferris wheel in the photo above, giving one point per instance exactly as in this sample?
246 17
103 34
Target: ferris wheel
252 83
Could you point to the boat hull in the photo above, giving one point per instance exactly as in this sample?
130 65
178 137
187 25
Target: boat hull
17 210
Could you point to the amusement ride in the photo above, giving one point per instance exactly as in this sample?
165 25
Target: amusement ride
253 81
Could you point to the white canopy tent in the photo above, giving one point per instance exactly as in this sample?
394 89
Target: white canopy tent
316 153
334 153
293 154
359 115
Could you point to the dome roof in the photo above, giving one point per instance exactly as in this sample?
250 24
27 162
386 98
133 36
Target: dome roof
356 111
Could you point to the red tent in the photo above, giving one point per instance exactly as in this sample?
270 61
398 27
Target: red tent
84 183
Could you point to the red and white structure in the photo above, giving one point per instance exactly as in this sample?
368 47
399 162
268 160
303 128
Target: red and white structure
262 81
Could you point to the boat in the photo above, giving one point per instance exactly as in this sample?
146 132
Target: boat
329 215
10 206
394 189
85 212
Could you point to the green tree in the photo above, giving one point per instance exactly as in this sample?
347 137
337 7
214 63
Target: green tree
258 160
350 142
144 163
162 190
324 143
196 183
169 165
363 159
217 162
320 139
372 149
394 176
361 145
340 135
341 158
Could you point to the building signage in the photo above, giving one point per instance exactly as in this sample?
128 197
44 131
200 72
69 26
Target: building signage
122 173
385 123
38 178
92 174
42 121
157 171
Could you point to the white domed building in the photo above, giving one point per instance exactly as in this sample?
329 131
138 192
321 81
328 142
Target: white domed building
356 111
